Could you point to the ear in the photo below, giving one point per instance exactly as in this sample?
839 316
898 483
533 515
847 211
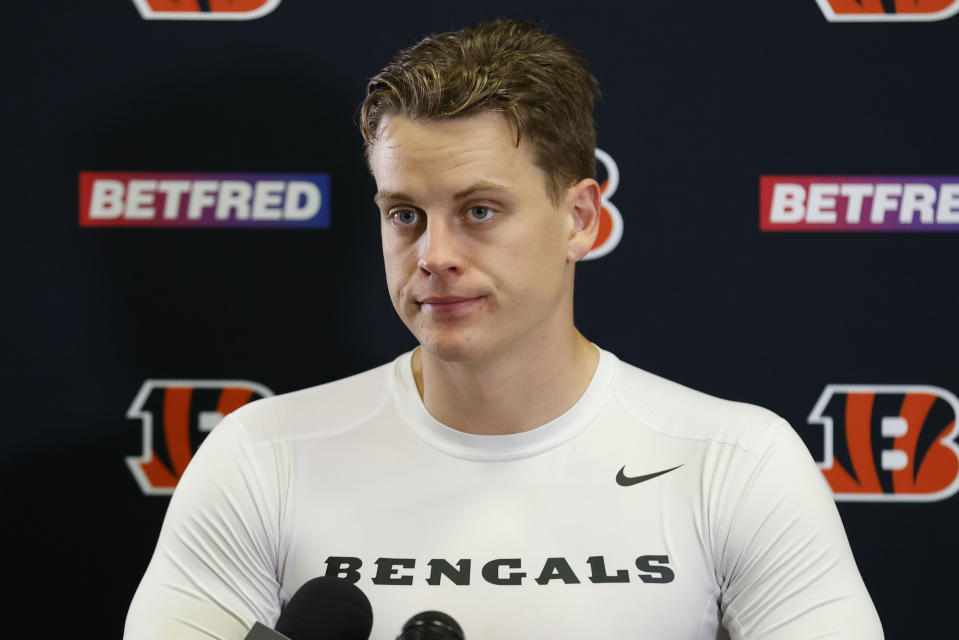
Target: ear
585 199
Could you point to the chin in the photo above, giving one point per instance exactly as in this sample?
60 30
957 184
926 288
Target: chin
454 347
448 351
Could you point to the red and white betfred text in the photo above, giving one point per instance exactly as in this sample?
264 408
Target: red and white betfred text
859 203
136 199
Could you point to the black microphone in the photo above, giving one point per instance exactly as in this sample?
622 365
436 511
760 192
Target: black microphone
431 625
262 632
325 608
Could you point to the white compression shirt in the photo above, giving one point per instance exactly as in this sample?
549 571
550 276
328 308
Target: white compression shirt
648 510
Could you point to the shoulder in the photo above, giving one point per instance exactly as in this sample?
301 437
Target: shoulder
673 409
323 410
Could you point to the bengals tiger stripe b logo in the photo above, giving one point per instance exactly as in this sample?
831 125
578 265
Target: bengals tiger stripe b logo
176 416
610 220
888 442
204 9
888 10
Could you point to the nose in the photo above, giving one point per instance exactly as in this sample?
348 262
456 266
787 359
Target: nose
439 253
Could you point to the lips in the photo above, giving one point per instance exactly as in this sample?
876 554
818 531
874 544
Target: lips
448 304
446 299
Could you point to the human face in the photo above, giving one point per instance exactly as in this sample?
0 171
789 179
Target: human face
478 259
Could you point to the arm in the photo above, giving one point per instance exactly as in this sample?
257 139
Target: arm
786 567
214 569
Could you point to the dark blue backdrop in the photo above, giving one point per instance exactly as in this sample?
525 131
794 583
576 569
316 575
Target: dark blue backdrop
701 98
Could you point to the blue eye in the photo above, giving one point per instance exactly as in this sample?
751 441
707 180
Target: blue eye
405 217
480 213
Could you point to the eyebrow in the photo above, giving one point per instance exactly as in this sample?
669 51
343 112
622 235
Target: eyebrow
482 185
390 195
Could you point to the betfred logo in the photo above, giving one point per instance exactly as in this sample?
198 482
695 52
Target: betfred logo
888 10
204 9
610 221
859 203
137 199
176 416
889 443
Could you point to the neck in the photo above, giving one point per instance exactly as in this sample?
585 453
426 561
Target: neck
514 392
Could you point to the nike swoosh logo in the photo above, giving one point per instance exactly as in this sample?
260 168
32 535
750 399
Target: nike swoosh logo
625 481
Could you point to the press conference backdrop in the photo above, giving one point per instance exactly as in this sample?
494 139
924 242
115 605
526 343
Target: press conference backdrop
189 226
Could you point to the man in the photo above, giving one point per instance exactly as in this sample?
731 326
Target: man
507 472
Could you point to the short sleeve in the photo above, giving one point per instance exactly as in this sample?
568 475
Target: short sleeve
214 570
786 567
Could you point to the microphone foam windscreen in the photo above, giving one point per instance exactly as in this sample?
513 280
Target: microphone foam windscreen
327 608
431 625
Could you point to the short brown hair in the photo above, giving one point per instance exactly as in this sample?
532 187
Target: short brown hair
537 80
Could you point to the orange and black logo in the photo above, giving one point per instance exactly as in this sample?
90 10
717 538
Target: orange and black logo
610 221
176 416
889 443
888 10
204 9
